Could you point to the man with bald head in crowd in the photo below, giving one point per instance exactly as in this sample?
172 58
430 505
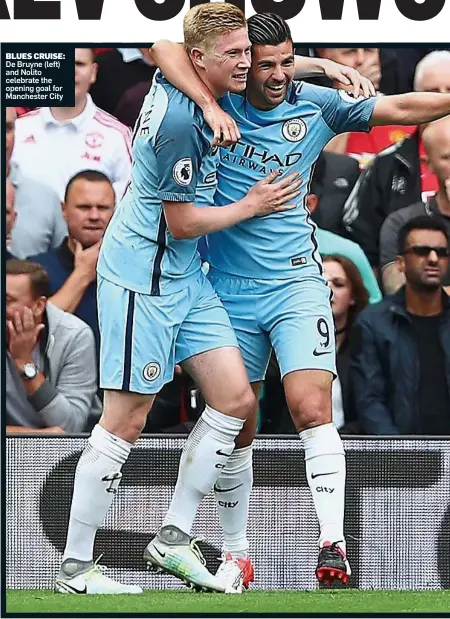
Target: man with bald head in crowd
398 176
436 141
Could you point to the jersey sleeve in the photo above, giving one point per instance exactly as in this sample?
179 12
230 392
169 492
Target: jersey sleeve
340 110
178 150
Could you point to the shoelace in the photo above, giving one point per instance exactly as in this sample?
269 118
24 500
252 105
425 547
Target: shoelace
331 551
193 545
99 568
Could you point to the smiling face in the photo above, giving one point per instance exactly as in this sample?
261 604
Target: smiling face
226 65
216 39
270 75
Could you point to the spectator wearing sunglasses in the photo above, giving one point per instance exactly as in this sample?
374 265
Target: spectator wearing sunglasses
436 141
400 348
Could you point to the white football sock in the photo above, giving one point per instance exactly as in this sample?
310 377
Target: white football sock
204 457
96 480
325 471
232 491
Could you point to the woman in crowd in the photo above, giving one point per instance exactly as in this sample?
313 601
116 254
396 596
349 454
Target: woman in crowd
349 298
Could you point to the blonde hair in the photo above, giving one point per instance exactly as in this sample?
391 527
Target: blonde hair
205 23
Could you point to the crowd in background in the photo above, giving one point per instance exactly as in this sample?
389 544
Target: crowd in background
381 204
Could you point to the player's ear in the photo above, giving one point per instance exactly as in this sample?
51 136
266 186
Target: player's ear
198 57
312 202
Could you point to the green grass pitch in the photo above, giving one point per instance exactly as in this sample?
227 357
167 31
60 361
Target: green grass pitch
348 601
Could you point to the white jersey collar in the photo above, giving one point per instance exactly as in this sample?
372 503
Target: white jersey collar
87 114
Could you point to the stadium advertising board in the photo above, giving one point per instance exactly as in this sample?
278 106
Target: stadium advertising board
397 518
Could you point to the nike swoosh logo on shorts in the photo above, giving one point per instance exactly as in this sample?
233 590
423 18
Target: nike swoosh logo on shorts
314 475
216 489
318 353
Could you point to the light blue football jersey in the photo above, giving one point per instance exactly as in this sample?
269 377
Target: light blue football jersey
172 159
290 137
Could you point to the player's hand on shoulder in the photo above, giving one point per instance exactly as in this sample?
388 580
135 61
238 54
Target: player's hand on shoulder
350 79
271 195
86 259
224 127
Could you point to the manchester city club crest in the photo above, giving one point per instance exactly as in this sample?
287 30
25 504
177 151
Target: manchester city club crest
151 371
294 130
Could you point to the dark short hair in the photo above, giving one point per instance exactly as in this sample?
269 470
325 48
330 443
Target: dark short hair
93 176
422 222
39 281
268 29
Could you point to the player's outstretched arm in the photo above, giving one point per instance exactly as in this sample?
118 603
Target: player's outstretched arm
185 220
175 63
347 77
412 108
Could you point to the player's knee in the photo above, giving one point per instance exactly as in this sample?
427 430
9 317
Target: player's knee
241 404
128 428
312 408
126 417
